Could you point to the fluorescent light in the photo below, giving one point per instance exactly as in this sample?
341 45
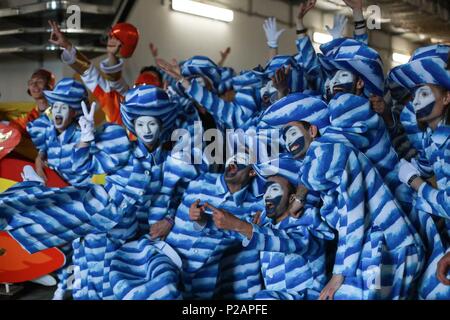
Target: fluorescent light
203 10
321 38
400 58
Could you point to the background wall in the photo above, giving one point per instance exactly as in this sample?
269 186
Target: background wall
180 36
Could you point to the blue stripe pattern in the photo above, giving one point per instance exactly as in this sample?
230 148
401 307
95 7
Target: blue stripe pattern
68 91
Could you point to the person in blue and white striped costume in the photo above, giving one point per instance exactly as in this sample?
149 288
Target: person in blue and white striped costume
427 76
55 139
291 239
200 244
102 218
379 255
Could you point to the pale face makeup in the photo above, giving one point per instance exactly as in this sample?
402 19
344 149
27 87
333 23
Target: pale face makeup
236 164
269 94
424 101
342 81
148 129
272 198
61 115
295 140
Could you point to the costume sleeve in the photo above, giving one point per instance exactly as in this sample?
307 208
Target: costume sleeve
307 58
231 114
38 132
108 153
303 238
436 202
335 169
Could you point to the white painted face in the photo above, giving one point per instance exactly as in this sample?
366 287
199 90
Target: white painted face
147 129
424 101
295 139
343 80
274 191
60 115
269 93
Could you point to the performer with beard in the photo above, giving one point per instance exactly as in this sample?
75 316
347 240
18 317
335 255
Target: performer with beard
290 241
198 241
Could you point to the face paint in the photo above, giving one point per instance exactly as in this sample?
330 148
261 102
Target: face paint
295 140
61 115
343 81
148 129
272 198
237 163
424 101
269 94
328 95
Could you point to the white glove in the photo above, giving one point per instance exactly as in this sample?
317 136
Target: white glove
407 171
272 34
87 123
29 175
340 22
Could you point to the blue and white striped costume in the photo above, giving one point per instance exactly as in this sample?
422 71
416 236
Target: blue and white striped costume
202 249
292 255
379 252
58 149
429 66
292 252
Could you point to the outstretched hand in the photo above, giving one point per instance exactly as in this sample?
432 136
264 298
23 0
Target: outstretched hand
224 56
340 22
280 81
57 37
304 8
272 32
87 122
172 69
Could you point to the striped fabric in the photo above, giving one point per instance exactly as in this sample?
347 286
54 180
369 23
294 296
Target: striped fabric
230 115
296 76
409 121
67 91
252 78
296 107
139 271
428 65
152 102
58 148
358 58
378 247
202 249
308 60
200 66
226 79
292 255
431 202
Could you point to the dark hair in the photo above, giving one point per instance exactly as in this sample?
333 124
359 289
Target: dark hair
154 70
308 126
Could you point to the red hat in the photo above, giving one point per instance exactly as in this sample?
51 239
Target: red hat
128 35
148 78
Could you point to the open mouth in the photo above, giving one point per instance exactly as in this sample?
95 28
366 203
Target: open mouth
269 206
148 137
58 120
338 90
232 170
294 147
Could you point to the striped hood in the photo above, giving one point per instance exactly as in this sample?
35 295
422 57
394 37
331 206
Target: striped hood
67 91
428 65
358 58
149 101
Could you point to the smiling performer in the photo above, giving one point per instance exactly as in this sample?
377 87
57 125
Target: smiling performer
291 240
198 241
380 255
427 77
